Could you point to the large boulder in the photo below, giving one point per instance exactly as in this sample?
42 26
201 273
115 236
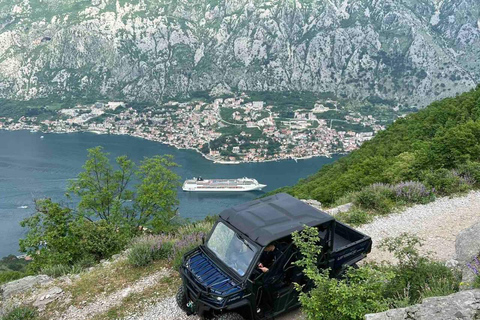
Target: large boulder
463 305
467 249
22 285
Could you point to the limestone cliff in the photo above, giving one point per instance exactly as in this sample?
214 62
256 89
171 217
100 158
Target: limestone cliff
408 51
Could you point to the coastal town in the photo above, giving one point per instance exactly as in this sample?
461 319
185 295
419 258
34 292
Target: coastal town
230 130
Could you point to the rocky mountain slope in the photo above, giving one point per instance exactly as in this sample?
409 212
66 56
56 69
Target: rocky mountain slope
407 51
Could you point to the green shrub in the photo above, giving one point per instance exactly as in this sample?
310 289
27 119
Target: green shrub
437 287
140 254
476 283
377 197
7 276
99 239
354 217
359 293
179 253
447 182
370 288
21 313
420 275
57 270
470 169
144 250
85 262
162 250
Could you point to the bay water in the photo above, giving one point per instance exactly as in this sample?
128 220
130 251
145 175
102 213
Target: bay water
32 167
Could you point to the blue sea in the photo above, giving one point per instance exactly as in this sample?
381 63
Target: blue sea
33 168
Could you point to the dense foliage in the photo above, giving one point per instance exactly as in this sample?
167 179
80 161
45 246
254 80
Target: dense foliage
109 213
332 299
439 146
371 288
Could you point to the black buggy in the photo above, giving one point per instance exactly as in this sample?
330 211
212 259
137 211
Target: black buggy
222 279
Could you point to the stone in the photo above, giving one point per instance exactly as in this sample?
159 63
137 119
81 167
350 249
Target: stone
461 305
46 297
467 248
314 203
340 209
452 263
22 285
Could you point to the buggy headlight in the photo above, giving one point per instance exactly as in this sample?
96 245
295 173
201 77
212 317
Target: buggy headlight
219 299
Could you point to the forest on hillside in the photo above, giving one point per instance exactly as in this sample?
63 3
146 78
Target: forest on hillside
438 146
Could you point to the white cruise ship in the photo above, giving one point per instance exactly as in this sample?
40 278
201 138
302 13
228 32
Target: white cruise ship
222 185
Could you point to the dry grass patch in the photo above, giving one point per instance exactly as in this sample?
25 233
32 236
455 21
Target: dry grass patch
137 302
108 279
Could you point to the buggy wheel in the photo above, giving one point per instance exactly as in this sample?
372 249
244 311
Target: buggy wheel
181 298
229 316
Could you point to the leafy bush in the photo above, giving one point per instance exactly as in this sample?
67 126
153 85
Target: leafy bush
472 170
57 270
21 313
332 299
147 249
354 217
183 245
447 182
413 192
370 288
418 274
99 239
141 254
377 197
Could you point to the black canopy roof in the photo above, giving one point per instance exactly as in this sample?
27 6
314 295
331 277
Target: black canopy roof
272 218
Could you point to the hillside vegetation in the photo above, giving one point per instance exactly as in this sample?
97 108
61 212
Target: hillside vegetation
438 146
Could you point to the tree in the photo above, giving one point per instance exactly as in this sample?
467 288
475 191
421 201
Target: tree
49 239
156 195
110 211
102 190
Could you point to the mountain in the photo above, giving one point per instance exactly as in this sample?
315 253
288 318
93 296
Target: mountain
404 51
439 146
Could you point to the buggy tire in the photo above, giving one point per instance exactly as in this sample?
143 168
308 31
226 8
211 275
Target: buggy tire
229 316
181 299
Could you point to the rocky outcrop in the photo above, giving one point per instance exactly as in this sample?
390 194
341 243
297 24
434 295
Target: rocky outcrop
467 249
46 297
340 209
463 305
22 285
402 51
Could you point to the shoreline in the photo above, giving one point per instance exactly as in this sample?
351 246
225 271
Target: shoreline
216 161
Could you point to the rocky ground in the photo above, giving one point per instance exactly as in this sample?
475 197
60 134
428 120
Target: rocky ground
437 223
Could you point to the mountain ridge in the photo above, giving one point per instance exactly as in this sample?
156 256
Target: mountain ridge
406 52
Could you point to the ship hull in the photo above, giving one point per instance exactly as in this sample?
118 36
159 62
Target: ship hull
223 189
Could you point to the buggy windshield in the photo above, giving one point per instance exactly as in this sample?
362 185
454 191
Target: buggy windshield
228 246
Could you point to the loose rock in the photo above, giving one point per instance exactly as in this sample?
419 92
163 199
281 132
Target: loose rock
47 297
